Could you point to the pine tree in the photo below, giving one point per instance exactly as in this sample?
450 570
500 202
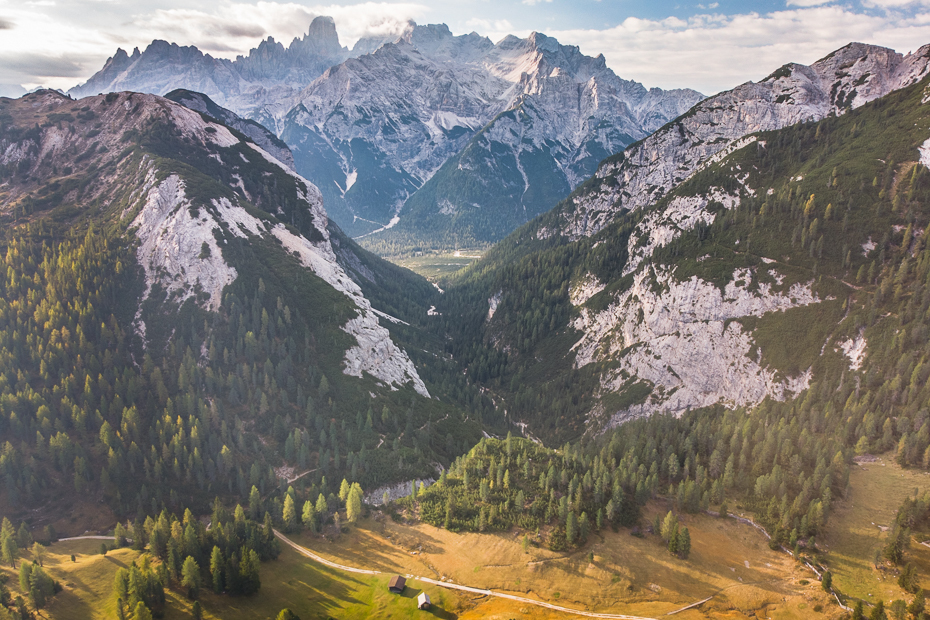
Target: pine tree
353 505
673 540
289 515
255 503
9 550
684 543
141 612
668 527
190 577
571 528
308 516
344 490
216 569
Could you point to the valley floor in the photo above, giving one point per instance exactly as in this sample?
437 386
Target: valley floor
435 265
730 565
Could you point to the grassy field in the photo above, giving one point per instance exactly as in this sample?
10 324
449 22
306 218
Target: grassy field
615 572
437 265
626 575
856 531
307 588
729 561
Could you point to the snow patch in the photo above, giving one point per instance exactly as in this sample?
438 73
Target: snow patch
925 153
868 246
351 178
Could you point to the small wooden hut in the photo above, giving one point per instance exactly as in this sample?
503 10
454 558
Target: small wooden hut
397 584
423 601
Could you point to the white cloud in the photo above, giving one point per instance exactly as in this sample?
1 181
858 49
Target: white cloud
709 52
534 2
44 30
806 3
716 52
892 4
224 31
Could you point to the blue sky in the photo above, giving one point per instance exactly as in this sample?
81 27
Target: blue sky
709 46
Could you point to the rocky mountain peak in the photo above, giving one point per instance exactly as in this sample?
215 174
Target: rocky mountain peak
846 79
323 31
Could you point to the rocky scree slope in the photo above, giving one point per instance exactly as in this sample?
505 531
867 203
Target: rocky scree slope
846 79
751 280
186 187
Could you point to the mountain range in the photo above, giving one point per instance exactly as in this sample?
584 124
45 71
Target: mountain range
513 126
732 307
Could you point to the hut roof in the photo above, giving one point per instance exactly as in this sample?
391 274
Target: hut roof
397 583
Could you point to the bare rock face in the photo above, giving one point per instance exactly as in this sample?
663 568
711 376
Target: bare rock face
680 337
258 133
395 116
641 175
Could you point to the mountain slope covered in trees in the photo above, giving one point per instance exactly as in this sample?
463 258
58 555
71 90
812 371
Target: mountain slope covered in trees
685 303
179 320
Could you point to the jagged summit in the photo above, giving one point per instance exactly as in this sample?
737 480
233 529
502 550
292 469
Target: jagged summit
370 127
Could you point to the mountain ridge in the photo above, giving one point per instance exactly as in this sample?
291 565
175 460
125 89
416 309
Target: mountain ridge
371 125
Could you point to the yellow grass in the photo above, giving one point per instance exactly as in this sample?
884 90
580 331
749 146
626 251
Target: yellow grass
855 531
729 562
628 574
435 265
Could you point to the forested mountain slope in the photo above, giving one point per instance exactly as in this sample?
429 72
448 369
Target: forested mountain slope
179 317
782 265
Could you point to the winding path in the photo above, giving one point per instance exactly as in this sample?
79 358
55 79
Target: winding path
454 586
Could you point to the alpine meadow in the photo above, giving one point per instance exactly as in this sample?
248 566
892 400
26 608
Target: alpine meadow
452 325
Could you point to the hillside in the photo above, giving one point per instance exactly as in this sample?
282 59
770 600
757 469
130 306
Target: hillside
181 320
685 303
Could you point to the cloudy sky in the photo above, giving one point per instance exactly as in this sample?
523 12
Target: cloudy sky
709 46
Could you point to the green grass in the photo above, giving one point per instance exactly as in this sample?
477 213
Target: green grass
436 265
855 535
307 588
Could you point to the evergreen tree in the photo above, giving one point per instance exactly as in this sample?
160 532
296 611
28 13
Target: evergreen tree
141 612
289 515
255 503
353 505
308 515
684 543
190 577
216 569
